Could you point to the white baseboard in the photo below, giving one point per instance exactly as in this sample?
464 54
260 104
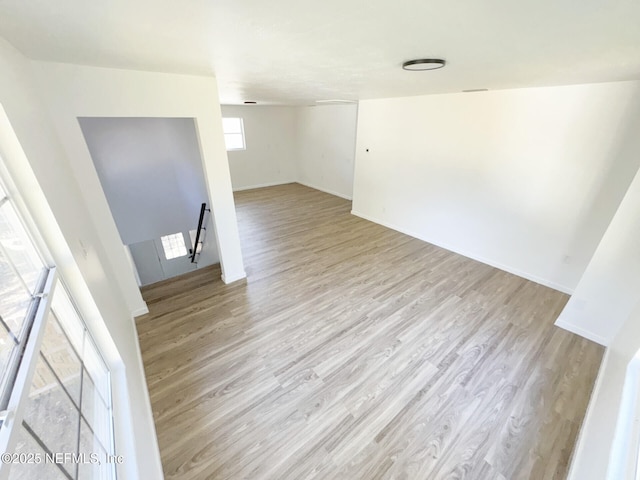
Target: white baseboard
578 453
325 190
263 185
498 265
140 311
623 456
594 337
233 278
285 182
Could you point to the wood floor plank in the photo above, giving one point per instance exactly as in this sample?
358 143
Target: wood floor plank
352 351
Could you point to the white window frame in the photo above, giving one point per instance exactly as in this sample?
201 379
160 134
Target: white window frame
14 413
235 133
11 418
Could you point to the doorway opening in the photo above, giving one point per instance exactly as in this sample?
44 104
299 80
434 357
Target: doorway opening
151 172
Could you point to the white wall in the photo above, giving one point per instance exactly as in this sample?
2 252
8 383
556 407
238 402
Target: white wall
526 180
592 455
269 158
325 148
52 195
606 306
72 91
314 146
610 287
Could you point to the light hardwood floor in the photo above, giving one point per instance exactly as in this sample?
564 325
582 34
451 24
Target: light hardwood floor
356 352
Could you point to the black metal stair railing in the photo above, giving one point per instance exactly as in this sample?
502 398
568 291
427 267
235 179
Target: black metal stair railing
197 242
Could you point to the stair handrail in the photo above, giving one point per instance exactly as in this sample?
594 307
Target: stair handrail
203 208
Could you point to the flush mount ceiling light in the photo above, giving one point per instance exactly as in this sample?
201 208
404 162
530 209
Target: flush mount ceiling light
423 64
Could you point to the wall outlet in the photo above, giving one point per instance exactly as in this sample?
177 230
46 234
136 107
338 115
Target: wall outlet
85 252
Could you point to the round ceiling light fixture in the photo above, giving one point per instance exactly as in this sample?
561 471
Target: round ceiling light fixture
423 64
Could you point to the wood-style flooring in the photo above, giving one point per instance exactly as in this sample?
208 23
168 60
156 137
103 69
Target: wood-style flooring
356 352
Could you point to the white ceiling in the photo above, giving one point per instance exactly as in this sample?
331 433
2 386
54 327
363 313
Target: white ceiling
299 51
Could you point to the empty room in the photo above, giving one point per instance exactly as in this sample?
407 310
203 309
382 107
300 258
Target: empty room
340 240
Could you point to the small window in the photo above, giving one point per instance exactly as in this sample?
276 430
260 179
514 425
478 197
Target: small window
174 246
233 133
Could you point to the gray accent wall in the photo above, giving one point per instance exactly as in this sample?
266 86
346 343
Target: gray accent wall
151 173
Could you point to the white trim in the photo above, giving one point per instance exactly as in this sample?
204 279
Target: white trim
623 456
573 328
140 311
506 268
147 412
233 278
595 393
241 133
127 252
263 185
10 429
325 190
